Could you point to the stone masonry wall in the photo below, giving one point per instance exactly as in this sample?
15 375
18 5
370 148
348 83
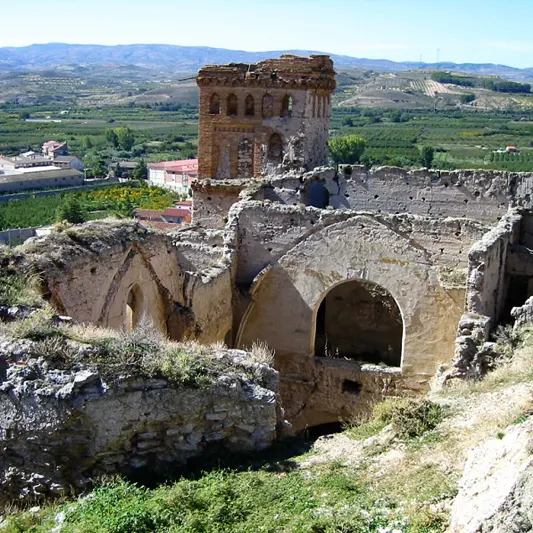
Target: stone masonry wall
61 429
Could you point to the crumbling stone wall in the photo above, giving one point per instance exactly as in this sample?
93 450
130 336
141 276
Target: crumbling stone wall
90 272
292 257
61 429
476 194
276 108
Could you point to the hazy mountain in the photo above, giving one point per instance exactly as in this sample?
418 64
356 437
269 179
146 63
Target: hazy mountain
171 58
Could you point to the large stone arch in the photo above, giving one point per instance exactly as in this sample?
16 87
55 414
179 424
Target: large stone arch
359 320
287 294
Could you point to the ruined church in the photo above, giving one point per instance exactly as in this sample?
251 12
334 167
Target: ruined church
365 282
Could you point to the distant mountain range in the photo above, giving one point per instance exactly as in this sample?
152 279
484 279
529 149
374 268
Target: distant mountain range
187 59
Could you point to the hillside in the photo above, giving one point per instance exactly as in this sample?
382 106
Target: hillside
172 58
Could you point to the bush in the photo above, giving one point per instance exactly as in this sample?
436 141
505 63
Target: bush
411 418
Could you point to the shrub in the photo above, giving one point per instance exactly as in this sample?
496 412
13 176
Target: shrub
410 418
413 418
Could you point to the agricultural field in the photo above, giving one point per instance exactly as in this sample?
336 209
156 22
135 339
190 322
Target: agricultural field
461 139
117 201
396 113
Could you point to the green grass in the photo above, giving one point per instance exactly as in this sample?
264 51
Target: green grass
18 289
223 501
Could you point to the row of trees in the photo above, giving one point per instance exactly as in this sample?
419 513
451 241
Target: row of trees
350 150
501 86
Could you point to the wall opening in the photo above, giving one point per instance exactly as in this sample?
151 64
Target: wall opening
286 106
360 320
275 149
214 104
245 159
232 105
249 106
134 308
318 195
268 106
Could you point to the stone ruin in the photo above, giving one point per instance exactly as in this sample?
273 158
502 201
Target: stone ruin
366 283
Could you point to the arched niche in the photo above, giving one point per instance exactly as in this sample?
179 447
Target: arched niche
268 106
286 298
359 320
134 308
275 149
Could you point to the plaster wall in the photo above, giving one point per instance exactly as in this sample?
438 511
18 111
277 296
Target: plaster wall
287 295
487 260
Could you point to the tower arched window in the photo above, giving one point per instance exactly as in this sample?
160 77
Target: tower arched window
286 106
268 106
275 149
233 105
249 106
214 104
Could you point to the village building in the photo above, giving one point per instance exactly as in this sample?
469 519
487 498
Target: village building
40 179
55 148
174 175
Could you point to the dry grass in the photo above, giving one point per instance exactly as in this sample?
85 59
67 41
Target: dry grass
260 352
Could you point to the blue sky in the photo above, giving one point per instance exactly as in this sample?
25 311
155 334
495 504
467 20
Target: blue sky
479 31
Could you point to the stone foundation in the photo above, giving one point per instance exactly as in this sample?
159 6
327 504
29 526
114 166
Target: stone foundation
61 429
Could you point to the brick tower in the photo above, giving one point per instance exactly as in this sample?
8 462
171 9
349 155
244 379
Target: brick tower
255 117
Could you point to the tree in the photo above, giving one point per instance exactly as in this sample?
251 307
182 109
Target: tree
467 98
347 121
87 142
140 172
112 138
118 171
426 156
95 165
125 138
71 211
347 149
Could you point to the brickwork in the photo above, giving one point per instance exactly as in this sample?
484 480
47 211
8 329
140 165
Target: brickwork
252 116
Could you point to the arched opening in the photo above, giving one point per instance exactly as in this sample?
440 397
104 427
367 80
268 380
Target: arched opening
268 106
233 105
275 149
214 104
245 159
286 106
360 320
249 106
134 308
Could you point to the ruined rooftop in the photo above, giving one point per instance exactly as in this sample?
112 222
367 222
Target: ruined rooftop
287 71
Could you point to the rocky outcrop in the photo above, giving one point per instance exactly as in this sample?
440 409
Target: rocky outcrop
61 428
523 315
496 491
